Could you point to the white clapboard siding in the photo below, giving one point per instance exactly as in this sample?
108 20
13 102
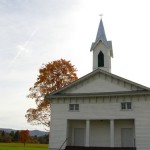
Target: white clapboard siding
99 110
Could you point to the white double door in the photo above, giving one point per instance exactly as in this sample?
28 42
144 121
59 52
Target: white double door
79 137
127 137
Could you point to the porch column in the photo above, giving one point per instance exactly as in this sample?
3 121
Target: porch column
87 134
112 133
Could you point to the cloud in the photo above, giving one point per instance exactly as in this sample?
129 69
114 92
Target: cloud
23 47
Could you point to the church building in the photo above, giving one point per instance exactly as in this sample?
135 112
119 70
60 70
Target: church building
100 111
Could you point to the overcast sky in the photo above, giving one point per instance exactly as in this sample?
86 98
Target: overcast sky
35 32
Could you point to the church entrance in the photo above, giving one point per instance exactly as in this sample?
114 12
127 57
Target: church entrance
79 134
127 138
101 133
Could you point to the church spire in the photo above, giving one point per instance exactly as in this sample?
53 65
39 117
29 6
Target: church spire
102 50
101 32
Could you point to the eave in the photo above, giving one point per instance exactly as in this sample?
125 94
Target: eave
105 94
93 46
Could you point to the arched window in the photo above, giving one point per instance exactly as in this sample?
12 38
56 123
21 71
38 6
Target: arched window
100 59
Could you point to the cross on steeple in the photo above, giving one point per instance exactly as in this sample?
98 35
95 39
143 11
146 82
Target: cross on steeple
101 15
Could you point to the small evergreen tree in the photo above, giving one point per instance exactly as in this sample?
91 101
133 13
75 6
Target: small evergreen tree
16 136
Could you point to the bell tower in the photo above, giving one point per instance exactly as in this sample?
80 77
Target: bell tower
102 50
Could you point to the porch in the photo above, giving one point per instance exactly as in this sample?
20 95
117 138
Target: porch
118 134
98 148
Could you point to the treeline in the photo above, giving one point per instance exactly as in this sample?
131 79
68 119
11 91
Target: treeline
14 136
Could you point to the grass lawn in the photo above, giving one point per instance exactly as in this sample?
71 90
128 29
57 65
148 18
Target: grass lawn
20 146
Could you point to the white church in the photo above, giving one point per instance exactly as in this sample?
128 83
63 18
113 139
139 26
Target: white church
100 111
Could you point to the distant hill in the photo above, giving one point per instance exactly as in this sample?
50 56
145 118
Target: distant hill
7 130
37 133
32 132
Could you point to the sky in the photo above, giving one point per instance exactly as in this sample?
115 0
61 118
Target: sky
35 32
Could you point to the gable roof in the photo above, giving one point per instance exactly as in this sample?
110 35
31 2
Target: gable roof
93 73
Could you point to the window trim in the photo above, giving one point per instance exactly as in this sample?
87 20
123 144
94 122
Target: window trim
126 106
74 107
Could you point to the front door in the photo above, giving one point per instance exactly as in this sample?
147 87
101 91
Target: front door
79 137
127 137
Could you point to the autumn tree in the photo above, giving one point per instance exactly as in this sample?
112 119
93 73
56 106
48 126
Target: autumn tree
52 76
24 136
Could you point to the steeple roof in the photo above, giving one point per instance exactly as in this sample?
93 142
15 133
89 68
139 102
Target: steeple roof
101 36
101 32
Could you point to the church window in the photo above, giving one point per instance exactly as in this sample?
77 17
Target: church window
126 106
74 107
100 59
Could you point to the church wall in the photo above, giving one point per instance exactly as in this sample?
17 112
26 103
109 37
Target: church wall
58 127
99 109
142 122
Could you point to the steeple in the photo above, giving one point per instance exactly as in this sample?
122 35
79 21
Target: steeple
102 50
101 32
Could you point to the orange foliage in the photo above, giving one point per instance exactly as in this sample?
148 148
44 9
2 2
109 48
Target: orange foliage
52 76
